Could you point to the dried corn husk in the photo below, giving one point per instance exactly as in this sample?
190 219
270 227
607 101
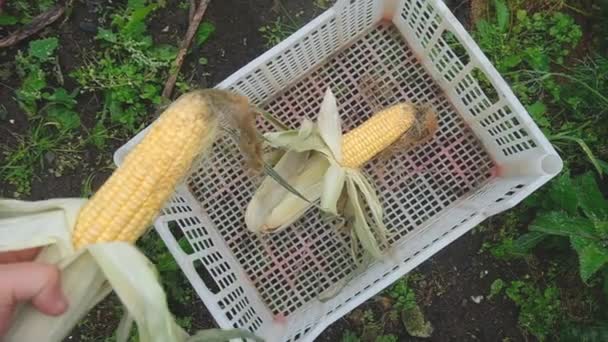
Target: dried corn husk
316 176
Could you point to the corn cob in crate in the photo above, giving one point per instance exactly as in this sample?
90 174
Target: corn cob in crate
92 242
319 162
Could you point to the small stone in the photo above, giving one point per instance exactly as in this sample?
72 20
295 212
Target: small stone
12 121
166 29
477 299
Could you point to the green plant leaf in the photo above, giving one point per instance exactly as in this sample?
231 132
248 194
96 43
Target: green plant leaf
590 199
7 20
43 49
526 242
107 35
205 30
66 118
61 96
502 15
591 256
537 112
563 193
558 223
496 287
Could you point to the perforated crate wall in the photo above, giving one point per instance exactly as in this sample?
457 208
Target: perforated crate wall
487 156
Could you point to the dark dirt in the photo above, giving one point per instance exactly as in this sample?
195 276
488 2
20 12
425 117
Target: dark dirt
450 278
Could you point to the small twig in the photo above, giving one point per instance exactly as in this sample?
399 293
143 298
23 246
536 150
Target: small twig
38 23
183 49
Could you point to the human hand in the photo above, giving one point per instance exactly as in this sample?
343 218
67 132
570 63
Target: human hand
22 279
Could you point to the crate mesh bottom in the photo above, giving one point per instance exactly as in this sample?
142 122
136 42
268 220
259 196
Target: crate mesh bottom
292 267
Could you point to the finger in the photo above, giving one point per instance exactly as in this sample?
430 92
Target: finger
19 256
30 281
6 314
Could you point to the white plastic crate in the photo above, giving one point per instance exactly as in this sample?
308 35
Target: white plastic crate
487 156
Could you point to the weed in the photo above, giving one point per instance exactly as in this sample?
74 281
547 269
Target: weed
403 295
53 122
539 310
527 48
175 283
496 288
586 229
23 11
129 72
322 4
277 31
406 308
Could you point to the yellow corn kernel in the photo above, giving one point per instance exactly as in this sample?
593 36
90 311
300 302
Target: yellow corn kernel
126 204
376 134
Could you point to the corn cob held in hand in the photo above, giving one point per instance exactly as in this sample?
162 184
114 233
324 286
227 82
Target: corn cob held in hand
92 242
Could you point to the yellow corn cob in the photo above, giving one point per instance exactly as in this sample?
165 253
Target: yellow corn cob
127 203
376 134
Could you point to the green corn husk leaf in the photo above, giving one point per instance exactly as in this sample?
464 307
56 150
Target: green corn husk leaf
271 192
333 183
307 138
329 125
362 229
87 276
308 184
372 201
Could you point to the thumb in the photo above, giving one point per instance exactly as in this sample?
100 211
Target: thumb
30 281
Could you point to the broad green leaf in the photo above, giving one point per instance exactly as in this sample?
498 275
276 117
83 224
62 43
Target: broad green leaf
205 30
527 242
61 96
564 194
107 35
43 49
329 125
537 58
591 255
558 223
537 112
590 198
333 184
511 61
65 118
136 26
502 15
601 228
